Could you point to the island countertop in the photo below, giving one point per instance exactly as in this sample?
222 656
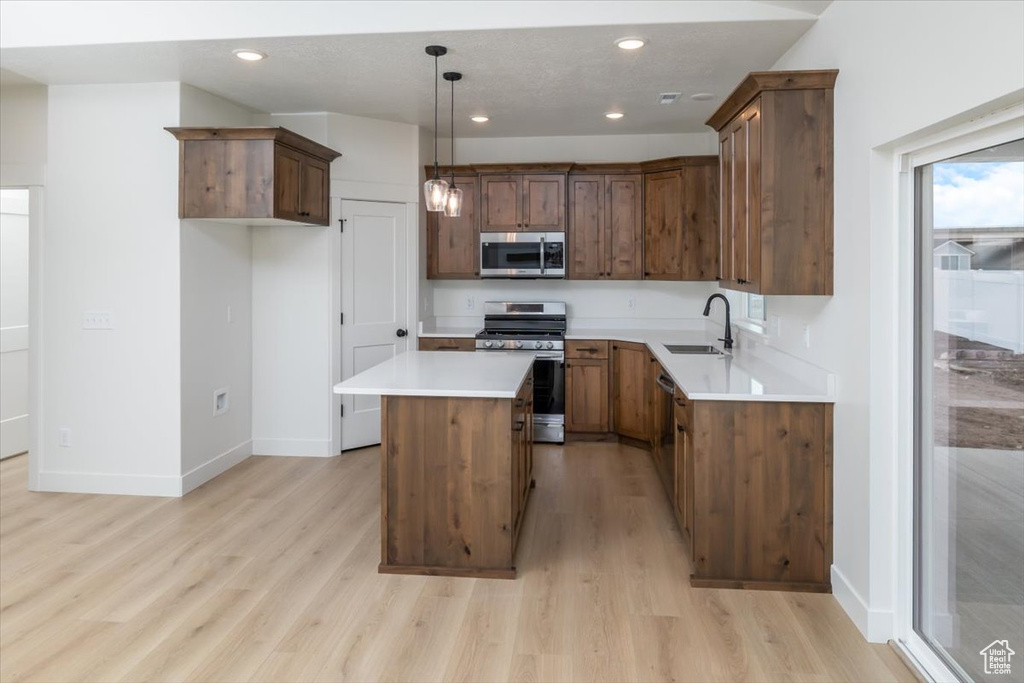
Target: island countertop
441 373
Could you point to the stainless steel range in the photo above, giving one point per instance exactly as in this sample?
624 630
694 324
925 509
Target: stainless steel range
538 328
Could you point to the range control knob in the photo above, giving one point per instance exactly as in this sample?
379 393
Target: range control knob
519 344
538 345
488 343
500 344
551 345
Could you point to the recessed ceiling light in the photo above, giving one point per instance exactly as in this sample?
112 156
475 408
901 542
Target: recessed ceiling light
614 115
702 96
248 55
630 43
480 119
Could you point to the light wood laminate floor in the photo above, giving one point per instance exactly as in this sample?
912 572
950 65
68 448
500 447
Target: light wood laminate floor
269 573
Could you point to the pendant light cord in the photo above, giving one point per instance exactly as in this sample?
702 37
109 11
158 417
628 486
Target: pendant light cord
453 133
435 117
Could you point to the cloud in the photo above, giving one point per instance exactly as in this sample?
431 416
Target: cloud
977 195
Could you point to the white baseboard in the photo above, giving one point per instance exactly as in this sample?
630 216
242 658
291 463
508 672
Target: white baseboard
218 465
117 484
13 436
875 625
305 448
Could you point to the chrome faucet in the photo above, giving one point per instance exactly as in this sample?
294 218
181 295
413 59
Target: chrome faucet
728 325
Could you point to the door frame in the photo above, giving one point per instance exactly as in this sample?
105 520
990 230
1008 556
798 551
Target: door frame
985 130
413 257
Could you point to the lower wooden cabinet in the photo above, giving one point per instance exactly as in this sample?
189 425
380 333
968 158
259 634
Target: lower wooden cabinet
522 454
587 387
630 390
682 494
447 344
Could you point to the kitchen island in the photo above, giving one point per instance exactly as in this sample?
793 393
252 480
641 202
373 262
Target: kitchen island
456 459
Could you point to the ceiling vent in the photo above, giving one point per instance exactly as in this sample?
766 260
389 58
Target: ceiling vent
669 97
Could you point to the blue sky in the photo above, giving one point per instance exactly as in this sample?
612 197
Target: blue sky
975 195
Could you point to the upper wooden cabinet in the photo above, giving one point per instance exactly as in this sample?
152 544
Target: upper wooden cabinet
453 244
605 233
681 218
776 183
524 201
257 176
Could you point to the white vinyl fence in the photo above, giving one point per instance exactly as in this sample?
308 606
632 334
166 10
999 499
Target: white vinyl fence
985 306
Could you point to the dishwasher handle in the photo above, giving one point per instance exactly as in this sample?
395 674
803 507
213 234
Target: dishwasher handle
666 384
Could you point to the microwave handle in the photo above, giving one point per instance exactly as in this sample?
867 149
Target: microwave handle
543 260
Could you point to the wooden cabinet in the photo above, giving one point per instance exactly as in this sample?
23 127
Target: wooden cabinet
447 344
776 183
682 494
681 219
522 202
587 387
663 435
522 453
257 176
630 390
605 228
453 244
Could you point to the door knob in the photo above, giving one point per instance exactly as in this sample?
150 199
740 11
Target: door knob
401 332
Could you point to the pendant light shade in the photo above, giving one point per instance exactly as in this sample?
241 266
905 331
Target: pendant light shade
435 190
453 200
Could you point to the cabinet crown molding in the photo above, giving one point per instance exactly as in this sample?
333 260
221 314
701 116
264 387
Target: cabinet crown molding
757 82
275 133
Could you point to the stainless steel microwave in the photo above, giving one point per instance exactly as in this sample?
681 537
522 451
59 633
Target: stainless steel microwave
522 254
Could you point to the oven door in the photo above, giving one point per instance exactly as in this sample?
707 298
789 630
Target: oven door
549 397
522 255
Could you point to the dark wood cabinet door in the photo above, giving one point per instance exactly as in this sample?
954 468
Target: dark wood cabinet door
663 225
501 203
288 183
447 344
315 191
544 202
700 223
624 226
725 270
586 395
586 234
740 245
453 244
629 390
751 229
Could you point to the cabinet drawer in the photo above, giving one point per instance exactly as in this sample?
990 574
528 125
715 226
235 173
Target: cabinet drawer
586 349
447 344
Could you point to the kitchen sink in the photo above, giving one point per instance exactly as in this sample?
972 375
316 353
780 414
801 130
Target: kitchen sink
693 349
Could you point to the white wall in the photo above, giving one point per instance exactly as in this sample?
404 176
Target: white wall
904 67
23 132
589 299
216 322
14 288
296 295
111 243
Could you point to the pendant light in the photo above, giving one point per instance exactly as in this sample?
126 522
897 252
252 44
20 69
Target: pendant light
453 201
435 190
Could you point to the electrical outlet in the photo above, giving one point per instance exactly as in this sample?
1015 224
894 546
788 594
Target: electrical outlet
807 336
64 437
97 320
221 404
631 303
469 303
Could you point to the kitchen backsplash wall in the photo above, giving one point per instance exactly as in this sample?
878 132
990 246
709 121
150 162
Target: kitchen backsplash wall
590 299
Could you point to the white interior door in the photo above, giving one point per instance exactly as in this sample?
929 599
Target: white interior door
374 268
14 236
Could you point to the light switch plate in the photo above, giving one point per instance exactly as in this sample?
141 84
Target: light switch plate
97 320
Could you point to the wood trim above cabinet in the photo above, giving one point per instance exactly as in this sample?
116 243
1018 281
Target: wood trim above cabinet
276 133
673 163
757 82
624 168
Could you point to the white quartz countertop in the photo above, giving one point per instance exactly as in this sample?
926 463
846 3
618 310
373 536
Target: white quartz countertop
443 373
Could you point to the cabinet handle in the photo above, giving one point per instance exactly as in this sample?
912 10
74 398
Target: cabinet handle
740 281
680 428
589 349
447 348
520 402
518 426
680 402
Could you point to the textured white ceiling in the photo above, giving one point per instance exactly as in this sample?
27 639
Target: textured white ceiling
531 82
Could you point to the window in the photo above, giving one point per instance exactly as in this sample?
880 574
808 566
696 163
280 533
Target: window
756 308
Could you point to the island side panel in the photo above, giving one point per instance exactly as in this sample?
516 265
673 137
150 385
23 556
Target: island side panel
447 476
762 506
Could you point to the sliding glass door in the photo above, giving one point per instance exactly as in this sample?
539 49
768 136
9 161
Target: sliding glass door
969 412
